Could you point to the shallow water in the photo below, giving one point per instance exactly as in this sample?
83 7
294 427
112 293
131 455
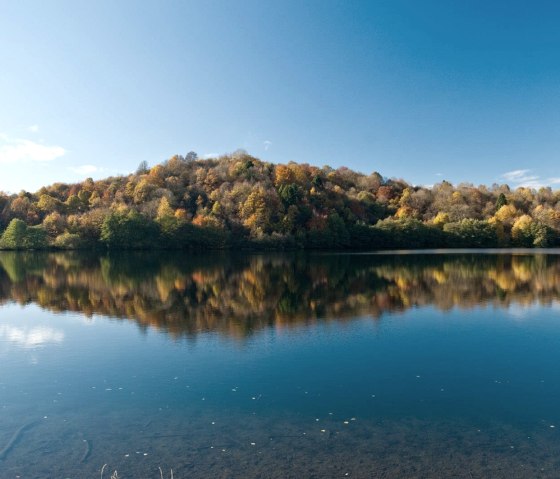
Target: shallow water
402 365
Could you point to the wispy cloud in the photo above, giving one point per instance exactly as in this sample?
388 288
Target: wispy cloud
14 150
33 128
85 169
518 176
528 178
267 144
209 155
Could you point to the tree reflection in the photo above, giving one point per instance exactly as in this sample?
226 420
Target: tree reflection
239 294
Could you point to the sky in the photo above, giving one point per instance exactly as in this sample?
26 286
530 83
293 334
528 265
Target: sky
466 91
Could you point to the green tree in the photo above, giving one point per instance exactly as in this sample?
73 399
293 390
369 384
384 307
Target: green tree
20 236
469 233
130 230
501 201
14 235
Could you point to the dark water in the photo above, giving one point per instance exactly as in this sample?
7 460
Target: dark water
250 366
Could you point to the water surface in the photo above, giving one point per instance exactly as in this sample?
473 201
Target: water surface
296 365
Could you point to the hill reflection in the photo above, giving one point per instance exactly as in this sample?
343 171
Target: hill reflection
239 294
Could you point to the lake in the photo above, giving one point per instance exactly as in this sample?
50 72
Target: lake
296 365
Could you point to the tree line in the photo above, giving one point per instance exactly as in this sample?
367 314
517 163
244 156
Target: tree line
238 201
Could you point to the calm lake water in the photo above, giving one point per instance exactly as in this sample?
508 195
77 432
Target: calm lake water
280 366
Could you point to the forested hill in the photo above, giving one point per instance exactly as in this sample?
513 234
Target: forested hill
239 201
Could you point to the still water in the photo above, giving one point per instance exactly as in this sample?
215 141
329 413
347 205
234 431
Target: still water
280 366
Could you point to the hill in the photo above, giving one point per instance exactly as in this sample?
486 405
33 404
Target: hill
240 201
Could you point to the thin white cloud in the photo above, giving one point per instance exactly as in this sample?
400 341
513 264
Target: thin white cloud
15 150
34 128
519 176
85 169
267 144
528 179
206 156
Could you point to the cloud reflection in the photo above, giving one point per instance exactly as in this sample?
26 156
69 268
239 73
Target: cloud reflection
30 338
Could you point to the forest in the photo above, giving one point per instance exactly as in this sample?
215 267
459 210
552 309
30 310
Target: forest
238 201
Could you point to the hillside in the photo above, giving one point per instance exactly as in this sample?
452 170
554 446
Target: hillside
240 201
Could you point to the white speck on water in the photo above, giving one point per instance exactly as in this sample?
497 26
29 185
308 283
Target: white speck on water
145 454
418 376
223 450
442 389
213 422
346 422
108 389
330 414
352 419
323 430
253 444
126 455
253 398
234 390
317 419
373 395
176 377
45 417
552 426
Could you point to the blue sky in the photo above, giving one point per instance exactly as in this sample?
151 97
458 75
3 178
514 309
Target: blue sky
466 91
